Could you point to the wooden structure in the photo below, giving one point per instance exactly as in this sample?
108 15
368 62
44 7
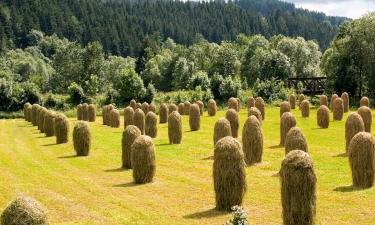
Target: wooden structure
311 85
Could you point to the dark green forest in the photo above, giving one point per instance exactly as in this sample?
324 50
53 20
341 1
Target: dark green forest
121 25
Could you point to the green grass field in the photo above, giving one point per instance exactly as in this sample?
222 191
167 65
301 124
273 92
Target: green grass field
94 190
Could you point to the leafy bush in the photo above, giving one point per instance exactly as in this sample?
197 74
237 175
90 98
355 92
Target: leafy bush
129 86
216 81
199 78
239 216
271 90
229 88
182 96
14 95
150 93
50 101
76 94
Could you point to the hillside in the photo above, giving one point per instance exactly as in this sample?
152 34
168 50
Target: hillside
121 25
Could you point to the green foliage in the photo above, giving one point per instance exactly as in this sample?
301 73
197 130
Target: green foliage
76 94
149 94
129 86
230 88
239 216
271 90
182 96
14 95
199 78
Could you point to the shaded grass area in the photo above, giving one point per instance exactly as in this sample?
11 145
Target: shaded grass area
95 190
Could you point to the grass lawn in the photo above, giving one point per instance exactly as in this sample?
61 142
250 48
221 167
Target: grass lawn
94 190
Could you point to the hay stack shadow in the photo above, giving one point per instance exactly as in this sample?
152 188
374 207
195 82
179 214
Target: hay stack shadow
206 214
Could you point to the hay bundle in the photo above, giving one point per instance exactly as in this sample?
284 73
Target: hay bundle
194 117
85 112
354 124
365 113
34 114
222 129
61 127
323 116
292 101
163 113
287 122
253 111
252 141
295 140
41 117
128 116
211 107
338 109
187 107
259 104
133 104
92 113
115 118
233 104
29 111
298 189
174 128
107 114
201 106
333 98
82 138
181 108
232 117
144 107
362 160
171 108
250 102
151 122
364 102
345 99
152 107
239 104
229 173
24 211
79 112
305 108
139 120
323 100
130 133
301 98
284 107
138 106
49 121
104 111
25 111
143 160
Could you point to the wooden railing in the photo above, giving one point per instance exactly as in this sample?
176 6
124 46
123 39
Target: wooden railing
311 85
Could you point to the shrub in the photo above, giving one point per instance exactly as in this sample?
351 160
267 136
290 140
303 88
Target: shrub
259 104
128 116
362 160
284 107
129 86
292 101
252 141
232 117
354 124
229 173
365 113
114 118
174 128
150 93
50 101
222 129
92 113
82 138
76 94
23 211
364 102
323 116
128 136
253 111
230 88
163 113
151 128
288 121
298 189
61 127
139 120
271 90
295 140
194 117
338 109
323 100
143 159
345 99
305 108
211 107
199 78
239 216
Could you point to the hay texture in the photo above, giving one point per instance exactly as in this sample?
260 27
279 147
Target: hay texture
364 102
323 100
287 122
338 109
114 118
252 141
138 106
232 117
151 123
34 114
333 98
92 113
233 104
61 127
323 116
41 116
229 173
345 99
194 117
211 107
301 98
128 116
250 102
143 160
139 120
353 125
129 135
144 107
163 113
295 140
25 111
365 113
298 189
174 128
253 111
79 112
24 211
201 106
362 160
259 104
133 104
222 129
292 101
152 107
181 108
85 112
172 107
187 108
82 138
305 108
49 120
284 107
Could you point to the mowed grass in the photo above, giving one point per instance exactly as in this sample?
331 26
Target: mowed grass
94 190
